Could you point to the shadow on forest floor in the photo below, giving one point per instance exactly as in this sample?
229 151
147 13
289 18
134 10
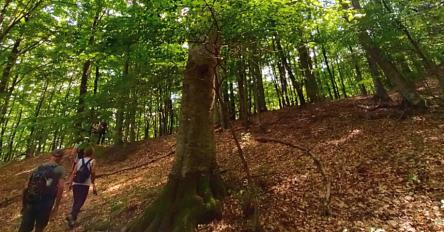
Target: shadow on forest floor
386 173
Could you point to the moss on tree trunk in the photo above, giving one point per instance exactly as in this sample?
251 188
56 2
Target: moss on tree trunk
194 189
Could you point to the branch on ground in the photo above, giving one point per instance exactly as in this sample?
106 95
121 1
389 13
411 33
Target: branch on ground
135 167
327 183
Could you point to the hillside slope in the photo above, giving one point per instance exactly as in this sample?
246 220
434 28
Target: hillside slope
386 173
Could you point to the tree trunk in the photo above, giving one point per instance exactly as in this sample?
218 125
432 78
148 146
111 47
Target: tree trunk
31 143
330 73
307 71
82 129
427 62
259 87
8 68
120 114
194 189
232 104
358 71
409 94
10 153
381 95
242 89
282 77
285 65
341 77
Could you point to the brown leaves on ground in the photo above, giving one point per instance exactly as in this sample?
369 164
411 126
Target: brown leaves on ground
387 175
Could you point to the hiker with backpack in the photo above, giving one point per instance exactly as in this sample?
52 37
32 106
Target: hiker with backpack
41 197
82 176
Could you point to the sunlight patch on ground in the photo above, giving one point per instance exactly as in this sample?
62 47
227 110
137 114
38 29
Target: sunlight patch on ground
116 187
351 135
246 139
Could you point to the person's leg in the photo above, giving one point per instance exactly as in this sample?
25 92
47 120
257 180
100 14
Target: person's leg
80 192
103 138
42 218
100 138
28 218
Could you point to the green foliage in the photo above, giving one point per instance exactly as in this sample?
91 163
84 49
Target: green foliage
138 50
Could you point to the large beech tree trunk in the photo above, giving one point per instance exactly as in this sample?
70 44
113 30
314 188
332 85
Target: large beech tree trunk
193 192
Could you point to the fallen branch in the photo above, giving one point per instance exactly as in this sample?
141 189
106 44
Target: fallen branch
327 183
134 167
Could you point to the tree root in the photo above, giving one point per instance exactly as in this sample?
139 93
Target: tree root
184 203
326 210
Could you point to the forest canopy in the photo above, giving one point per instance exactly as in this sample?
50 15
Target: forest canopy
68 65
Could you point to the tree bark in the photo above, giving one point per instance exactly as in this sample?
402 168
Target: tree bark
194 190
307 71
84 130
31 143
358 71
242 89
330 73
10 153
409 94
12 59
427 62
282 77
381 95
259 87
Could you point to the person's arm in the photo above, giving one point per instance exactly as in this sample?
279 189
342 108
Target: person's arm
60 187
71 175
93 176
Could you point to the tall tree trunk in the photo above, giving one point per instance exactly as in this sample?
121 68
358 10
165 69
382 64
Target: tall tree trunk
409 94
223 91
30 142
12 59
282 77
242 91
286 65
259 87
381 95
330 73
4 109
279 92
358 71
82 117
232 104
307 71
427 61
194 189
10 153
120 114
341 77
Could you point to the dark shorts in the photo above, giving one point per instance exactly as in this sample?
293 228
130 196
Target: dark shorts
37 214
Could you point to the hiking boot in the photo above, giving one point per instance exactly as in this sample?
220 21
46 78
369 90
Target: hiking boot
70 221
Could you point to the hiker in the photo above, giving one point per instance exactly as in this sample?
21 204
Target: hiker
41 197
82 176
101 131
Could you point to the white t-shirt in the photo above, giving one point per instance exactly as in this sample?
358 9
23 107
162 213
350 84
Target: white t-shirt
78 165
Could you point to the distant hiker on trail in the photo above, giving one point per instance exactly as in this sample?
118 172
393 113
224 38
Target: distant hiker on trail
82 176
101 131
45 187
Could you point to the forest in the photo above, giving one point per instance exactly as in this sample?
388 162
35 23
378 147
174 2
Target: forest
120 73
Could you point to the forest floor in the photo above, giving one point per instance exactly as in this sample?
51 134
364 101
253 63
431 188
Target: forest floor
386 169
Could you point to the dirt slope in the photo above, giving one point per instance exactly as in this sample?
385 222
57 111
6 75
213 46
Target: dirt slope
386 173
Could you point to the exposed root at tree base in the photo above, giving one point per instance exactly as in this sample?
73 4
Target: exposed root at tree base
184 203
